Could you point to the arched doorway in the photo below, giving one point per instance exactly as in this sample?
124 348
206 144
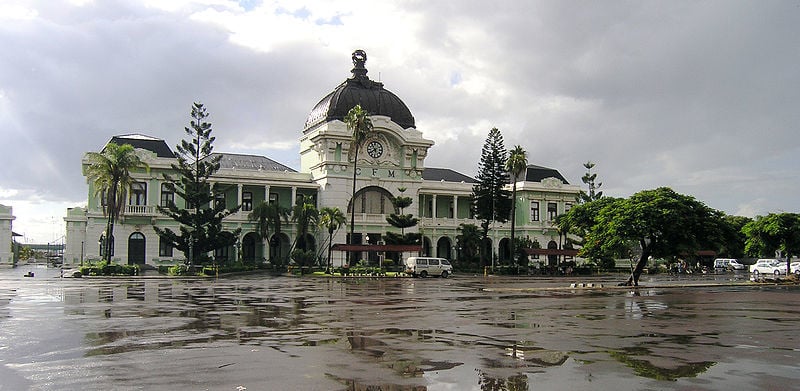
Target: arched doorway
136 249
306 242
552 260
251 248
279 246
504 252
487 252
444 248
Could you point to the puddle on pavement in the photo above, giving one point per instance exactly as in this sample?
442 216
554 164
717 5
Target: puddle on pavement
409 334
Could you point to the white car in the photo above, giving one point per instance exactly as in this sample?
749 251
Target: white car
795 268
735 265
768 266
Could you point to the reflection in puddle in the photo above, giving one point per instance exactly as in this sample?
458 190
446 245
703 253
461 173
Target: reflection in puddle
280 333
648 369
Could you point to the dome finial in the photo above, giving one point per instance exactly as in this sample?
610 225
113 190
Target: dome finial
359 59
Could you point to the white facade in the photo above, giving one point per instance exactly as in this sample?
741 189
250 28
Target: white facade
6 254
393 158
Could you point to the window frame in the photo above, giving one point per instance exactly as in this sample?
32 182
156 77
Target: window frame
552 213
138 193
165 249
167 195
247 201
535 212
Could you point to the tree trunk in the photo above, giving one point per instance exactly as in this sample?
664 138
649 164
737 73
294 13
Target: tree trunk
109 235
633 280
353 204
107 239
513 222
330 244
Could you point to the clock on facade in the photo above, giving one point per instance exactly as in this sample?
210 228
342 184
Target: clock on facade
375 149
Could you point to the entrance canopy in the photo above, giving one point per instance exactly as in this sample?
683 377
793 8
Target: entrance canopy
552 251
377 247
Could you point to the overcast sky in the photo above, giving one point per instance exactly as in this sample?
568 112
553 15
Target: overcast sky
700 96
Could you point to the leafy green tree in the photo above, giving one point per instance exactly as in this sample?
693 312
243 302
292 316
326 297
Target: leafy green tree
589 178
521 245
110 173
331 219
579 221
733 246
660 223
490 200
26 252
360 123
773 232
201 220
517 164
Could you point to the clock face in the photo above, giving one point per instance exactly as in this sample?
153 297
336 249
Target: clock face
375 149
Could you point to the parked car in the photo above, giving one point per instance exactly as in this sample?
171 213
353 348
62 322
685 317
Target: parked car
427 266
722 263
795 268
735 265
767 266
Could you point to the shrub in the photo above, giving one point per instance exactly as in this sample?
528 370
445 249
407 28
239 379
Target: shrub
103 268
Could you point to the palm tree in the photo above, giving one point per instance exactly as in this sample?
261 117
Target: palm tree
516 164
110 173
268 215
261 216
331 219
305 215
359 122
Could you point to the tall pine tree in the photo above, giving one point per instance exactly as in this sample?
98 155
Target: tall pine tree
589 178
402 221
490 200
201 220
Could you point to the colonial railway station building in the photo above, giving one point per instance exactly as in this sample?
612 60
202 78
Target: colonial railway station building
392 159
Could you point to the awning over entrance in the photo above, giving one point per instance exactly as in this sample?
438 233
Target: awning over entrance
377 247
568 252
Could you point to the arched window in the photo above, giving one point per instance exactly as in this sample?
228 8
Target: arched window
373 200
136 249
552 259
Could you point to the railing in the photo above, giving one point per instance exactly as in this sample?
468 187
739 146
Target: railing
140 210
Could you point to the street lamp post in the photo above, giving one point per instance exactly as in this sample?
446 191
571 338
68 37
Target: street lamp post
191 250
366 237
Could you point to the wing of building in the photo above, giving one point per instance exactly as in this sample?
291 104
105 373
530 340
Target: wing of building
391 163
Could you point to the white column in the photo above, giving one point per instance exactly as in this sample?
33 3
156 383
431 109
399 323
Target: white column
239 195
455 206
6 235
213 194
294 195
434 206
266 193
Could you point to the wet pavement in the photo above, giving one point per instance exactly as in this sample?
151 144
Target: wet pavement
260 332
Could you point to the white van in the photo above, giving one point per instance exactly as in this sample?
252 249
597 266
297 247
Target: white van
428 266
722 263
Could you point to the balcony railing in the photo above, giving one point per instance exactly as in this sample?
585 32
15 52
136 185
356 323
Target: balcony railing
140 210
